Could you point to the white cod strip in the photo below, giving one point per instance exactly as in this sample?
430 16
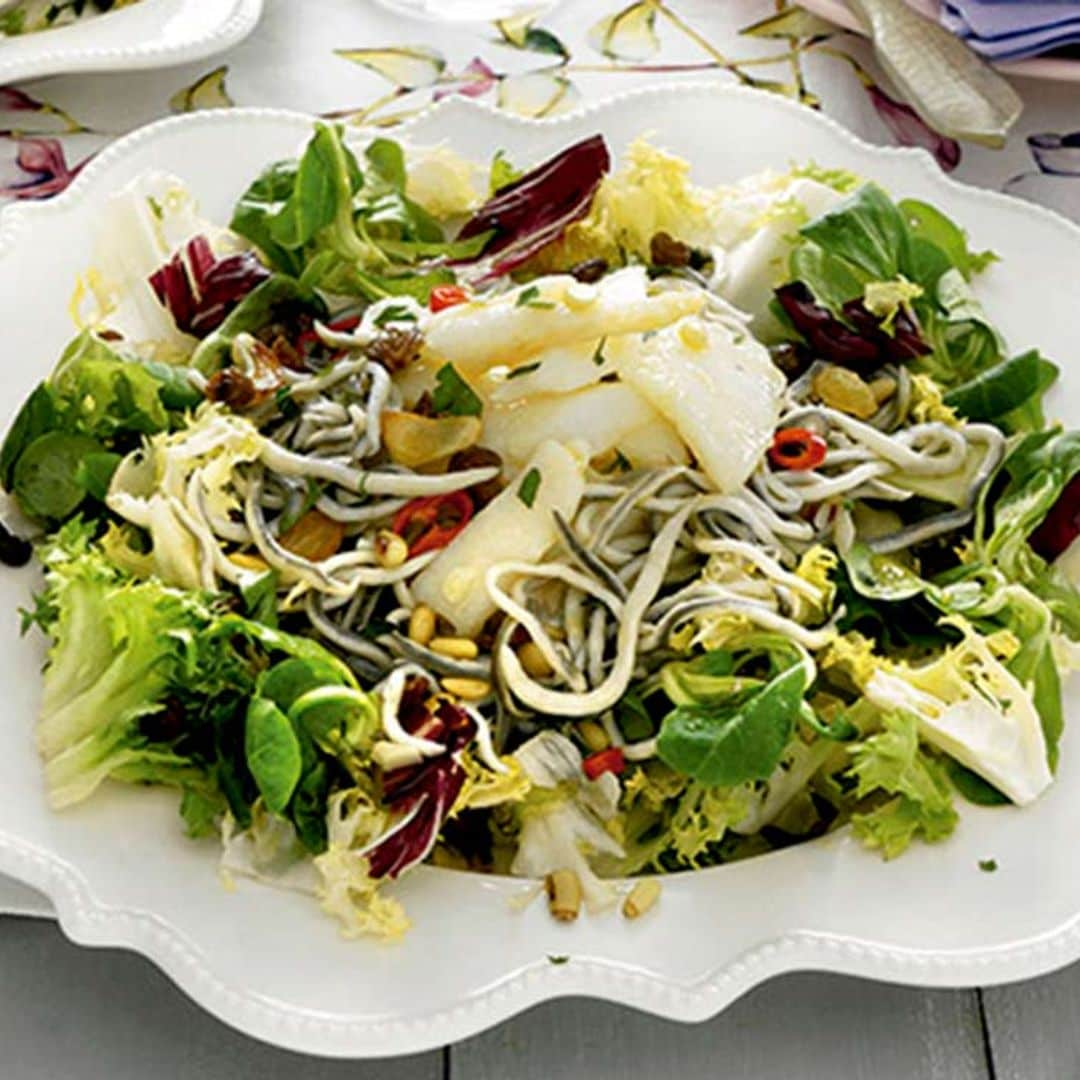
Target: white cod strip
507 530
717 386
550 312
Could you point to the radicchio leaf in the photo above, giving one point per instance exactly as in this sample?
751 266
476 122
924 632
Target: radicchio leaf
537 208
857 341
1061 526
200 290
423 794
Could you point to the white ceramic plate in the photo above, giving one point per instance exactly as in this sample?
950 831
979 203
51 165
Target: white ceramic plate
154 33
120 872
1053 68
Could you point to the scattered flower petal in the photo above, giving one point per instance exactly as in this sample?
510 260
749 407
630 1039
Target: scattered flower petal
21 114
910 130
537 94
793 24
475 81
37 169
209 92
520 33
409 67
629 34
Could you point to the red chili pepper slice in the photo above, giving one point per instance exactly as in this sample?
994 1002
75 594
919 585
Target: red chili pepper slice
610 760
444 296
431 523
798 448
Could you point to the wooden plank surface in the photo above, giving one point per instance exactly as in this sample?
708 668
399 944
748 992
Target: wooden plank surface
817 1027
68 1013
1034 1027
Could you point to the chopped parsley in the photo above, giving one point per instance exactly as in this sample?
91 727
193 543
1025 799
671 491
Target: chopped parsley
311 497
524 369
283 399
530 297
988 866
557 960
529 486
598 357
394 313
453 396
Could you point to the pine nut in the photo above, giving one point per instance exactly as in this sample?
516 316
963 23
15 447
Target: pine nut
534 661
390 549
593 735
249 562
641 898
467 689
564 895
883 388
421 624
456 648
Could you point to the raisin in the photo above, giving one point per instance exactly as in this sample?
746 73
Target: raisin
590 271
231 387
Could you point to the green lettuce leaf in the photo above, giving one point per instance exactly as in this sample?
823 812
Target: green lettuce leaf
892 764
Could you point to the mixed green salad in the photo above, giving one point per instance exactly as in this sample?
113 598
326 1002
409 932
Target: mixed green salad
29 16
579 522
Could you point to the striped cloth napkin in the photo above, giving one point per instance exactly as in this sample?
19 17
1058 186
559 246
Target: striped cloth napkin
1013 29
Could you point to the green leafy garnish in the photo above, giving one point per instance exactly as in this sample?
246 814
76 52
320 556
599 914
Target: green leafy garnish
453 396
523 369
530 297
529 486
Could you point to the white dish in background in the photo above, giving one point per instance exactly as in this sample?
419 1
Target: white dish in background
1052 68
150 34
120 872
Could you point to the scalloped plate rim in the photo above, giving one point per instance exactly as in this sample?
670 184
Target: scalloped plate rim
86 57
89 921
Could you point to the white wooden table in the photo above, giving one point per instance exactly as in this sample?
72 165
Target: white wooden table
73 1014
68 1013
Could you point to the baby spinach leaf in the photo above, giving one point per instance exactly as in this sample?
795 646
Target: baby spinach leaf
259 206
387 161
37 416
273 755
45 478
260 598
1000 389
866 230
724 747
95 472
175 388
308 809
926 222
973 787
326 180
290 679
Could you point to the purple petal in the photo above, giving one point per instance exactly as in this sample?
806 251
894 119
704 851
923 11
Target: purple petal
475 81
909 129
12 100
